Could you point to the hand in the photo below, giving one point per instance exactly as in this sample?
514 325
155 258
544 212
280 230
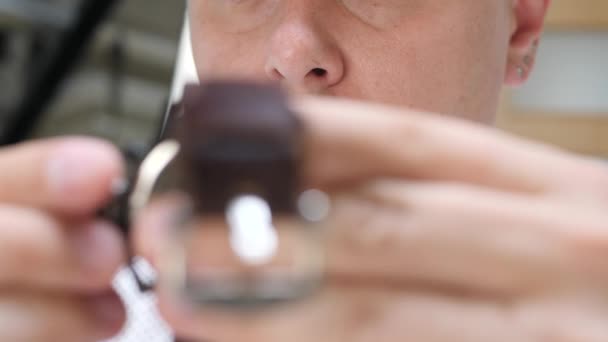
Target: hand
56 260
441 231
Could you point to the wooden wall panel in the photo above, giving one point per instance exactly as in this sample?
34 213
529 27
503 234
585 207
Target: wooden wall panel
586 135
578 14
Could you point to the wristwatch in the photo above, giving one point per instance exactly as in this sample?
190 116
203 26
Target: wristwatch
247 234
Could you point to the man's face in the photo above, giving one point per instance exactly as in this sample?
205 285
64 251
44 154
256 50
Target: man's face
437 55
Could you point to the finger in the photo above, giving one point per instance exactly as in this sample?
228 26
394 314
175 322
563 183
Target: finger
71 175
461 237
415 241
575 317
351 141
377 314
154 224
453 237
28 317
345 314
38 251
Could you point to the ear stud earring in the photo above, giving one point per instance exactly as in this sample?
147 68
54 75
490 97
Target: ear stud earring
520 72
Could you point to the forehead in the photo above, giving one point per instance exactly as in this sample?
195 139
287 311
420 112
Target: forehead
245 15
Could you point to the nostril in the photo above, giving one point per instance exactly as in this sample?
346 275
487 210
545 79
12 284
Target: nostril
319 72
276 75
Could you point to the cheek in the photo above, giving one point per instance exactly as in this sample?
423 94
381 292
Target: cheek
449 62
226 55
449 59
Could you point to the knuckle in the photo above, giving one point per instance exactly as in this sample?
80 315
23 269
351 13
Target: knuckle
365 227
64 174
599 179
100 253
587 177
417 135
37 250
365 318
18 244
588 252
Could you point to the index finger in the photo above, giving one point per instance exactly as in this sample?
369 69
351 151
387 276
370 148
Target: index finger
69 175
352 141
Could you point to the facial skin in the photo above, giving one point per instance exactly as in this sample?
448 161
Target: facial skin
449 57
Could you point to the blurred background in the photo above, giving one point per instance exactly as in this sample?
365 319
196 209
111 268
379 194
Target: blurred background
565 103
119 89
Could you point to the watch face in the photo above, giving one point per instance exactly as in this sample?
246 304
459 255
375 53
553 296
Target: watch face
247 258
242 235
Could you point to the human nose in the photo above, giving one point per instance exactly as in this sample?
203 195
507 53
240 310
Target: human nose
303 55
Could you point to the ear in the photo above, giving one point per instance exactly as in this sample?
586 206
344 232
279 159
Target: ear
528 22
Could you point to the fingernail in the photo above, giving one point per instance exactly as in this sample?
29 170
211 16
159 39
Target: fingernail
109 312
99 249
75 163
